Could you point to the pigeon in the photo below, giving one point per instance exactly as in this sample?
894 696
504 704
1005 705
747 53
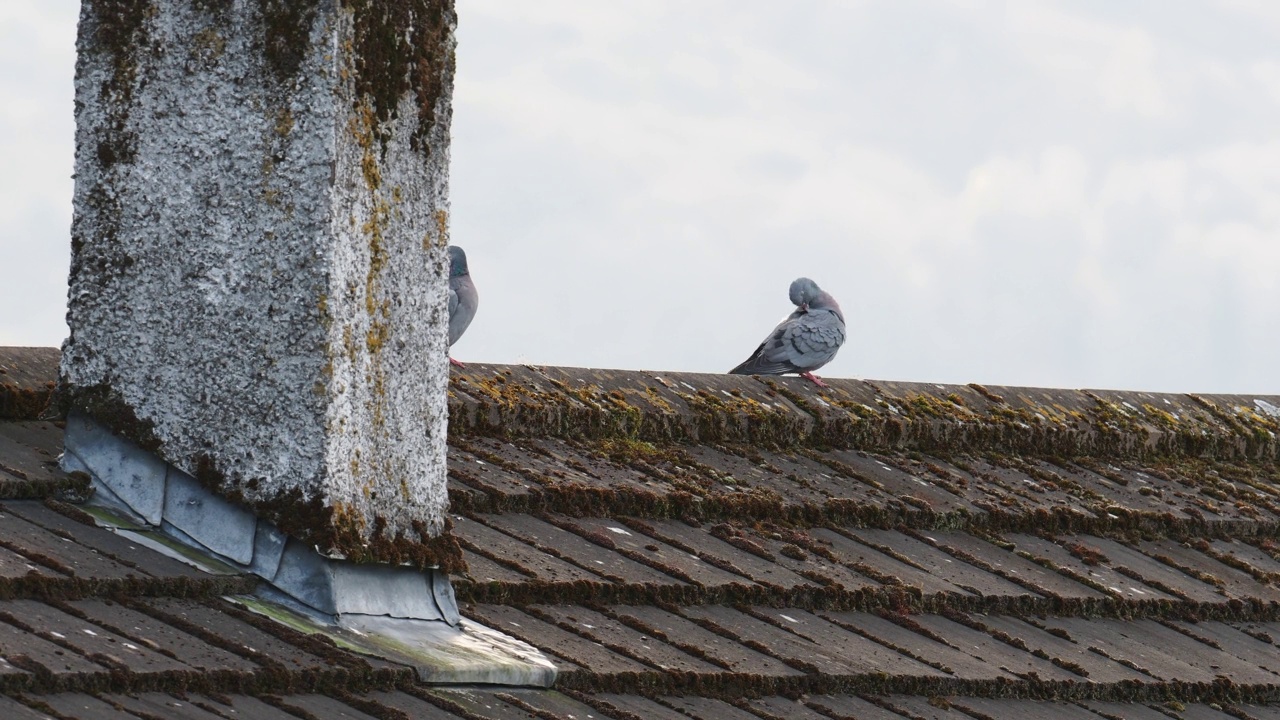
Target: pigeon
808 339
463 298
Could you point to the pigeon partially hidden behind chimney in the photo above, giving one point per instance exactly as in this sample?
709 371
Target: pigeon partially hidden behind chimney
463 298
808 339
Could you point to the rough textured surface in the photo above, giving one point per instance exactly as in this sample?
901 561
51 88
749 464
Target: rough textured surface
258 268
580 403
29 461
25 386
140 491
874 549
946 536
715 579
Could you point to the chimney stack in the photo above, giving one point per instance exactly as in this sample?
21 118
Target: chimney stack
257 358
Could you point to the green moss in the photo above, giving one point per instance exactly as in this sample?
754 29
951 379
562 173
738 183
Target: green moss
208 46
23 403
401 46
296 621
287 35
118 32
108 408
204 561
109 517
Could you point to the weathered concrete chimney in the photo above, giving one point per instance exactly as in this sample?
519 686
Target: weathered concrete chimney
258 277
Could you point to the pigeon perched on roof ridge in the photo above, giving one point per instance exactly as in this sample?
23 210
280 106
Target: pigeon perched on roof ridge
806 340
463 298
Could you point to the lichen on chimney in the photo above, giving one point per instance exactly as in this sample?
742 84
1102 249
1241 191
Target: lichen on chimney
251 297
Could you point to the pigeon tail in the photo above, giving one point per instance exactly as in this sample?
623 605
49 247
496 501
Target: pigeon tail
758 365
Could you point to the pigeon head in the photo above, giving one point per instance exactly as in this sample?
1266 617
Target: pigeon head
804 291
457 262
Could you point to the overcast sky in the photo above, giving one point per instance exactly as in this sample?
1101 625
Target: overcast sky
1078 194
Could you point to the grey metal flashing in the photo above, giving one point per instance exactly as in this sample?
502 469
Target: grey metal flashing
132 481
268 550
137 477
258 283
463 654
213 522
400 614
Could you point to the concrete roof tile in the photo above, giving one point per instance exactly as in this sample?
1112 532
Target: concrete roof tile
1115 640
724 555
1234 582
26 380
550 703
916 645
681 632
710 546
1064 652
673 561
323 706
849 547
1009 565
622 639
706 708
578 651
579 550
1024 709
777 706
508 550
636 706
84 707
161 705
928 708
1077 558
413 706
13 710
851 706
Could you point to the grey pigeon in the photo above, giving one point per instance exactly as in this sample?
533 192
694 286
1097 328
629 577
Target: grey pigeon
808 339
463 298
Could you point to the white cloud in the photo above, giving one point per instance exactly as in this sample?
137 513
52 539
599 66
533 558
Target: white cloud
1060 240
1117 64
37 56
1035 192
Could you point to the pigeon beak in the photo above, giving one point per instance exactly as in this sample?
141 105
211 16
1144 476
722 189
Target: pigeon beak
804 307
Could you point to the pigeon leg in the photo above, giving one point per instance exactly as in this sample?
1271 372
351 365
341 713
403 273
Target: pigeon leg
456 363
816 380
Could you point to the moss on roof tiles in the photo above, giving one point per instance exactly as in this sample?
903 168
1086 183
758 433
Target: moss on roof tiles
507 401
27 379
1176 496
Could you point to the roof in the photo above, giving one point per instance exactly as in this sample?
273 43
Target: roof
727 547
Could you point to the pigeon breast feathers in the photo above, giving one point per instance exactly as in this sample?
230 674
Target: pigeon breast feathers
463 298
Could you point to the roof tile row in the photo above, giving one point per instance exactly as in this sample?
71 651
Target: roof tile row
714 649
695 546
523 558
879 490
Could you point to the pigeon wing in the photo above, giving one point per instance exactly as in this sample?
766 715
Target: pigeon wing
463 301
812 341
802 343
758 365
769 359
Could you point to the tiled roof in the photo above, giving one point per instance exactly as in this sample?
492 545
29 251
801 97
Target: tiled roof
27 377
715 547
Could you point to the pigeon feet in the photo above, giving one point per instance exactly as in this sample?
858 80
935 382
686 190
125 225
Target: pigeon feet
456 363
816 380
